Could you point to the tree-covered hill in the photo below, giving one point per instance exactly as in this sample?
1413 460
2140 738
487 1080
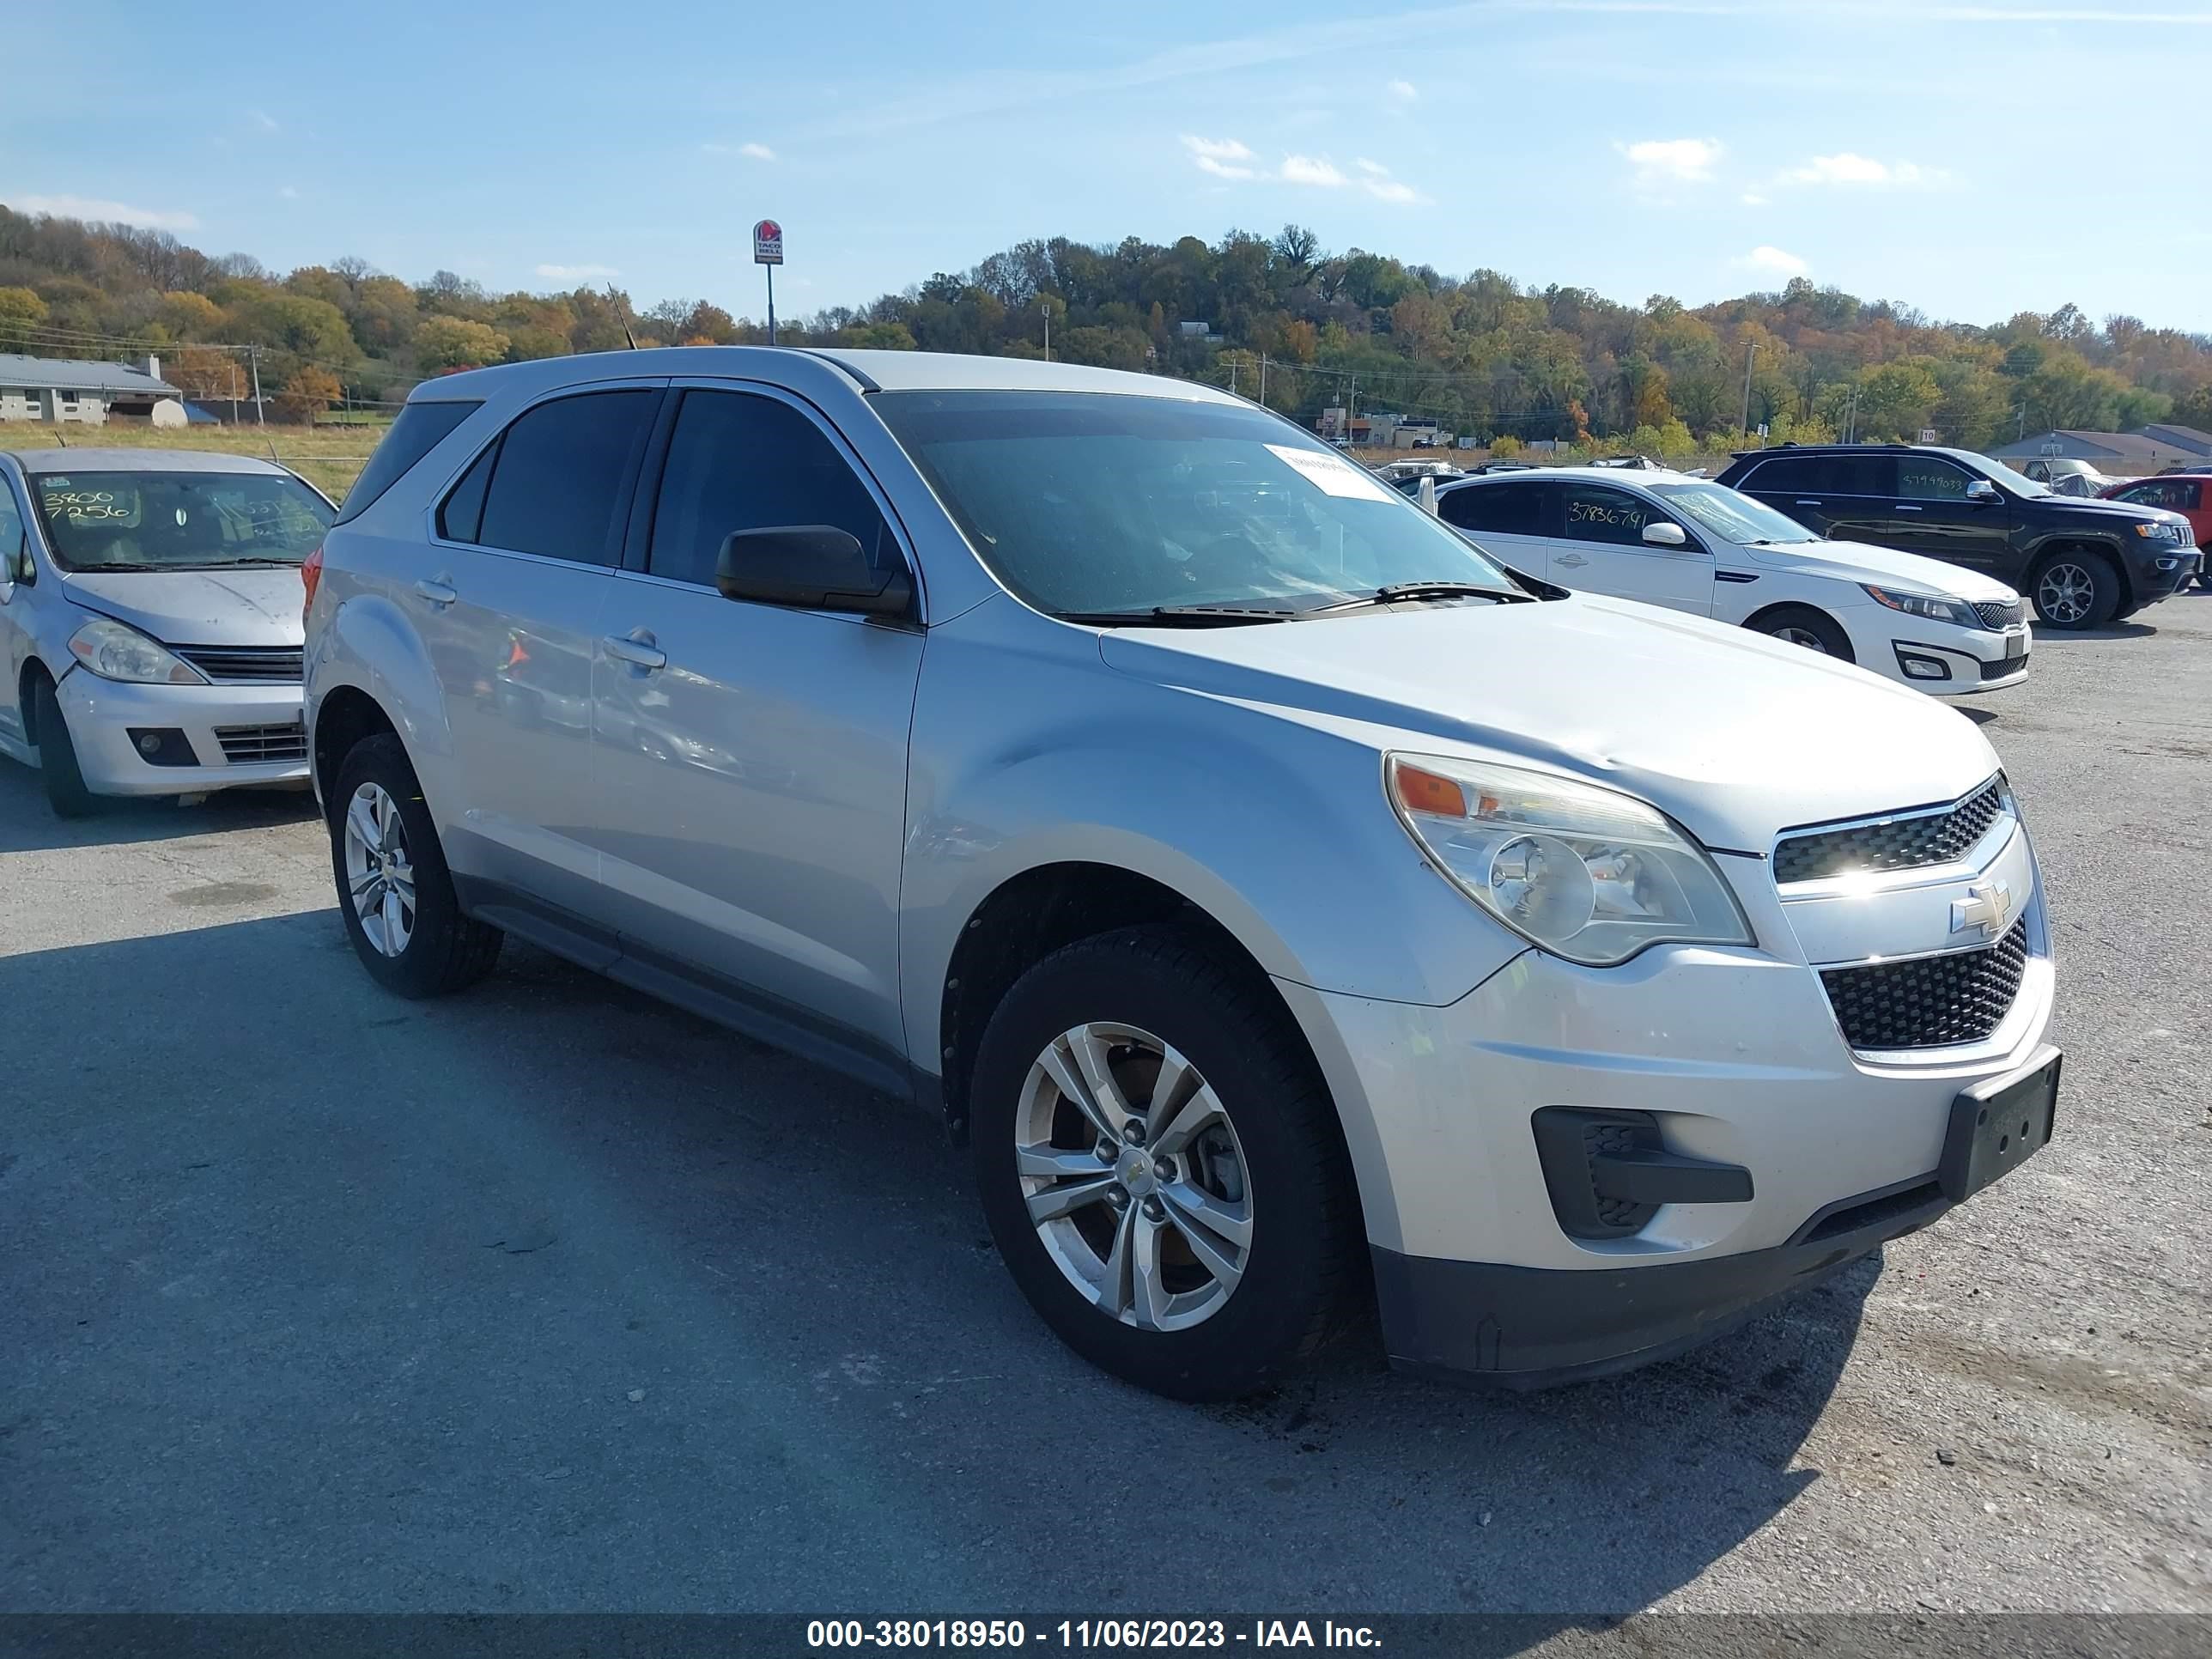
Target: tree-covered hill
1488 356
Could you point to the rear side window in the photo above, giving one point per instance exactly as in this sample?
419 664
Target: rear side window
460 519
420 429
1595 513
2175 495
1508 509
1785 472
740 462
559 483
1925 478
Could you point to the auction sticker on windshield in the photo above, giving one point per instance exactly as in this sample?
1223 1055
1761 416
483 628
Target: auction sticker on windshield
1331 474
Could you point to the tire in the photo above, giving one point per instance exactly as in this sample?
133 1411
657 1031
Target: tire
438 949
2075 591
1802 625
65 787
1271 1172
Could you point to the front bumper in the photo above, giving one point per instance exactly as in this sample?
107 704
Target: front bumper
1737 1055
1946 661
255 723
2162 574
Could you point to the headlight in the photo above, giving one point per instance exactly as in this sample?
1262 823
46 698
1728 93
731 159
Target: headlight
2157 532
1956 612
115 652
1586 873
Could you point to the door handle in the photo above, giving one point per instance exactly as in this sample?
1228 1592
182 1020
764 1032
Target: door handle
1572 561
1907 507
439 593
1805 503
637 649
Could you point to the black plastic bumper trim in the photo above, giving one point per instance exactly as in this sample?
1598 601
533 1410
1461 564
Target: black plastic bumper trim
1530 1328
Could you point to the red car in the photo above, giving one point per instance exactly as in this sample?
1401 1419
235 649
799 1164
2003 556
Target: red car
2189 494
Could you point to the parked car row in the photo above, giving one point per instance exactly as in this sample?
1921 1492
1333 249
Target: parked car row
1296 902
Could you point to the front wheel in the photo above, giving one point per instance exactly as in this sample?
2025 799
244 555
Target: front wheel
394 891
2077 591
1802 625
66 792
1161 1167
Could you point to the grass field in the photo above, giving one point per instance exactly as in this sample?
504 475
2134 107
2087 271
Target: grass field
328 456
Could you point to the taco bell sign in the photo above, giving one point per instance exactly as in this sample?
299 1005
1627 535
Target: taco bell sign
768 243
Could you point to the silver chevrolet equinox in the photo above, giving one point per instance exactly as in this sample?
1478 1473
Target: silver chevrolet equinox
1291 903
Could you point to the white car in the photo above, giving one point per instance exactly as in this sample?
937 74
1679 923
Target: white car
1690 544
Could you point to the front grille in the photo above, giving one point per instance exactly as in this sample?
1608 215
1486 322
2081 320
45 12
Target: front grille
255 745
1998 668
257 664
2001 613
1898 843
1930 1002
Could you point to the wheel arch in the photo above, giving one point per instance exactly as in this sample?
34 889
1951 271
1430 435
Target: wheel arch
345 716
2046 553
26 701
1759 620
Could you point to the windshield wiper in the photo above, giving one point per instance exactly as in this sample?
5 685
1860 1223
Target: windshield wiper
1394 593
1179 615
247 564
103 569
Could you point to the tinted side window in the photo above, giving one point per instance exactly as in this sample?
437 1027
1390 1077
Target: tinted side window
1855 475
1929 478
558 486
420 429
2177 495
740 462
460 519
1510 510
1784 472
1595 513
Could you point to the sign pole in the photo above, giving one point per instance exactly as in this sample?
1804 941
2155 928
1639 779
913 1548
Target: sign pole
767 253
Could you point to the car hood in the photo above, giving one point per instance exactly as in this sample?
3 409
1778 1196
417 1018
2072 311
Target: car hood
1735 735
1858 562
197 607
2097 507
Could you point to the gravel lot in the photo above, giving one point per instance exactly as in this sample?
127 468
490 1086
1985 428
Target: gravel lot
549 1297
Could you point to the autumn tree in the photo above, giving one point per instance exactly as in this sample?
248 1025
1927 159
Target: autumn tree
21 308
450 342
307 394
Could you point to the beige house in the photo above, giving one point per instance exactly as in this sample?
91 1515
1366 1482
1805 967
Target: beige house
56 390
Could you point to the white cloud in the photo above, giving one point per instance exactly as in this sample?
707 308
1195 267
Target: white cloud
1753 198
289 192
756 152
264 120
1395 191
1224 158
1401 92
1772 261
100 211
1847 168
1311 170
1375 167
576 273
1672 161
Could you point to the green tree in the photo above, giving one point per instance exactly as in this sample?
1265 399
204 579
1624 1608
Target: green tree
21 308
1896 399
307 394
448 343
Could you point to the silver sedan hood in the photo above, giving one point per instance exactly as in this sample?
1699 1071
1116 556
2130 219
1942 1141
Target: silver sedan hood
1735 735
197 607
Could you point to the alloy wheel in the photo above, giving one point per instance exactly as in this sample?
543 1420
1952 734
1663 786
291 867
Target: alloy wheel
2065 593
379 877
1134 1177
1803 636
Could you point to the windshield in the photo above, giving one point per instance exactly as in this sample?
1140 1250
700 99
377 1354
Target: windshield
2016 483
1084 503
1731 515
177 521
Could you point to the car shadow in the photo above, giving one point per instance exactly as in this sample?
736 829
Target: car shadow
2047 638
1976 713
549 1297
27 823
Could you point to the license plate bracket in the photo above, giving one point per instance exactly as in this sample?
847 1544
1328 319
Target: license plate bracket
1996 1126
2015 645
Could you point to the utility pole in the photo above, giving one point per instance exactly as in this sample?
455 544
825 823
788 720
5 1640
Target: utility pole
1045 306
1750 357
1351 409
1263 379
253 356
1851 415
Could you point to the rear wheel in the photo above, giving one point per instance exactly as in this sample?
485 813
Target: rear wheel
1161 1167
2077 590
65 787
1799 624
394 890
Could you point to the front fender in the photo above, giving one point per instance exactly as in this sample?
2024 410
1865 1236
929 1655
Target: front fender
369 644
1277 828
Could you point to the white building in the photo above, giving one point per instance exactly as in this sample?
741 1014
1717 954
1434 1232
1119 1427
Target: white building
55 389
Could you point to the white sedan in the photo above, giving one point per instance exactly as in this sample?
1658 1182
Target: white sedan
1694 545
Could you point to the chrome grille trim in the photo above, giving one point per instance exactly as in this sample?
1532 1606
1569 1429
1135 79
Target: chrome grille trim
246 664
260 745
1916 838
2000 614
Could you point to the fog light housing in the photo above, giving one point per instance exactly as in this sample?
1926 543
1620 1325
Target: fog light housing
1919 667
162 745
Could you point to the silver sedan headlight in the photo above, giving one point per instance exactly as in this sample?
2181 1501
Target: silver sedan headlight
115 651
1587 873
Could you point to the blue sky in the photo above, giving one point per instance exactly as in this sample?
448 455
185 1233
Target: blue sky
1973 159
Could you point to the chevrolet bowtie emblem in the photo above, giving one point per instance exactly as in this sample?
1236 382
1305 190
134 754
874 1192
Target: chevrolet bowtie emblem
1988 906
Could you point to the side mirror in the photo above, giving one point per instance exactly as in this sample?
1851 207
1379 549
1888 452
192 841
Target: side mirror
17 565
809 567
1982 490
1666 535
